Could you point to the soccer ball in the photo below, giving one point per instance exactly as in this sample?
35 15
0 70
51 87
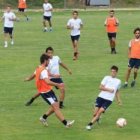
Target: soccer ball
121 122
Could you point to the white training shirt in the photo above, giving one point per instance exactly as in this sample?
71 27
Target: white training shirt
44 74
7 22
53 66
47 6
112 83
76 24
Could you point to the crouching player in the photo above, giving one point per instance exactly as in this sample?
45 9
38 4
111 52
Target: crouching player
109 87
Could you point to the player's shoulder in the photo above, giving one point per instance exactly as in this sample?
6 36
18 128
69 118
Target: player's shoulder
56 57
107 77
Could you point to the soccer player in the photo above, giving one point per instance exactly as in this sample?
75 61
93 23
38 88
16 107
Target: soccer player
109 87
111 24
47 7
54 73
21 8
134 57
8 17
44 87
75 24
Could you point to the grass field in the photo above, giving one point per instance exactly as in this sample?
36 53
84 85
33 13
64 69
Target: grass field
18 122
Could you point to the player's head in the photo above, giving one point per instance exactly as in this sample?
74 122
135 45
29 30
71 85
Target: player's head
44 59
137 32
114 71
46 1
75 14
111 13
49 52
8 8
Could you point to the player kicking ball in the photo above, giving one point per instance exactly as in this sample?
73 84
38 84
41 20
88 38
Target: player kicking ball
109 87
75 25
44 87
8 17
54 73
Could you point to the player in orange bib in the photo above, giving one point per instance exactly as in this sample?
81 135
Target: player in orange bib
44 87
134 57
21 8
111 24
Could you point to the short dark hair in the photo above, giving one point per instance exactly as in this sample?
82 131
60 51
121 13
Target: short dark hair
43 57
75 12
136 29
114 68
49 49
112 11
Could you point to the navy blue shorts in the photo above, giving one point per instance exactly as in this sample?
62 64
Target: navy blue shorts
100 102
111 35
57 80
8 30
47 18
49 97
134 63
21 9
75 38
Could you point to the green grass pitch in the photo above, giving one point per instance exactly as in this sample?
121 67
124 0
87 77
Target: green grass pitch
18 122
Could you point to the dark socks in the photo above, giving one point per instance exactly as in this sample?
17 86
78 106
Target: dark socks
64 122
45 116
90 124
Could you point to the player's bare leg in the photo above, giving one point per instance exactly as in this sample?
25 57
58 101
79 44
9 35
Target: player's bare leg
45 23
75 49
135 76
5 40
62 97
50 24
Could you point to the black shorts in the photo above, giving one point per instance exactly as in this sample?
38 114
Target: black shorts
111 35
47 18
100 102
8 30
75 38
134 63
57 80
49 97
21 9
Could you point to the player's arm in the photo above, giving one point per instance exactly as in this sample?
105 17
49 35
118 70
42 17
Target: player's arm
65 67
69 25
31 77
103 88
118 98
129 49
117 22
105 23
49 82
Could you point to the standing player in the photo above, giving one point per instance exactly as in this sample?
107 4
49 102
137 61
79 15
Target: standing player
44 87
8 17
21 8
54 74
47 7
75 24
111 24
134 57
109 87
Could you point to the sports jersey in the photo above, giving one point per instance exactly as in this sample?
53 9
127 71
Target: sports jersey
8 19
110 23
76 24
42 73
112 83
53 66
46 7
134 44
22 4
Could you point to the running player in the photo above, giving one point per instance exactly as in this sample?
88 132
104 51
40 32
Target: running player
47 8
44 87
134 57
55 76
75 24
8 17
21 8
111 24
109 87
